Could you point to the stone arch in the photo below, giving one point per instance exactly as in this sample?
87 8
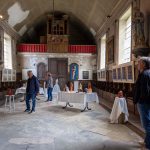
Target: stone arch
41 71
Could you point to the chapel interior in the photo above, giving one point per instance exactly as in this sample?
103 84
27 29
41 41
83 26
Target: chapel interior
88 44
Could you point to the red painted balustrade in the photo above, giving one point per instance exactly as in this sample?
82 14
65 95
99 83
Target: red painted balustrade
82 49
41 48
32 48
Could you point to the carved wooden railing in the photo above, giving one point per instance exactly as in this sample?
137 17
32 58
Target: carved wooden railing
82 49
32 48
41 48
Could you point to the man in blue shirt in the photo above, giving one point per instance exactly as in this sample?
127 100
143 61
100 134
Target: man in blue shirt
49 87
32 91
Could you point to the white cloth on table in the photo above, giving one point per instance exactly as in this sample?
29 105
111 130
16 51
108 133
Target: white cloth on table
21 90
71 97
119 106
81 97
91 97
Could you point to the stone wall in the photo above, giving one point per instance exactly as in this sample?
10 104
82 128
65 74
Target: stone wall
86 62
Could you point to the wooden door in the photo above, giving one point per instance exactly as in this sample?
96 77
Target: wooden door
58 67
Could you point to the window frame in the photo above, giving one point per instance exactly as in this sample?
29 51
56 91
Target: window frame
8 55
103 43
128 15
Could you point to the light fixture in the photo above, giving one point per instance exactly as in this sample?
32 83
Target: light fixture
1 17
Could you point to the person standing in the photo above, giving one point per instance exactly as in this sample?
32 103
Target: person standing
49 87
32 91
142 96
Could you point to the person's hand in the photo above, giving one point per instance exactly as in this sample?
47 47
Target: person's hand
37 94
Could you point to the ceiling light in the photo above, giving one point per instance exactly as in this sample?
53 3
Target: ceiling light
1 17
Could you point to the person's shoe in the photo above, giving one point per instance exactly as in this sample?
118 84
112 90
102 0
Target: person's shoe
32 111
27 110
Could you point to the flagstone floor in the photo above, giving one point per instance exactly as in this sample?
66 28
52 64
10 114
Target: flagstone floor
53 128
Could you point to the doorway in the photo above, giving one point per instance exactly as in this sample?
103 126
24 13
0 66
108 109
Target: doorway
58 67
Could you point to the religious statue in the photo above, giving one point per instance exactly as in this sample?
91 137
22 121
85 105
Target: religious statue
138 29
80 87
71 86
74 70
66 88
89 87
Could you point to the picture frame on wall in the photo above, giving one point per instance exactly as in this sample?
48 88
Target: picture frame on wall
99 75
124 73
110 50
119 73
4 75
13 76
130 72
85 75
114 74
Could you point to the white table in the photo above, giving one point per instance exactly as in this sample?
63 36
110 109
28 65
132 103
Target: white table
88 98
120 106
81 97
21 90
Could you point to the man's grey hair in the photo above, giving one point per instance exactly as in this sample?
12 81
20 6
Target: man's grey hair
30 71
146 61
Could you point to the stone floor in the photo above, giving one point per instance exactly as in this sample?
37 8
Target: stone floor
134 120
53 128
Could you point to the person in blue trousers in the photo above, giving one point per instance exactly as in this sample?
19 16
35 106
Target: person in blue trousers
142 96
49 87
32 91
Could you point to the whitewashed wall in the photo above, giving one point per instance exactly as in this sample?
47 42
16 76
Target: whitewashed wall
86 62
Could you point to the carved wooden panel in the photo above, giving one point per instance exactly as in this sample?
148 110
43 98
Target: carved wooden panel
57 43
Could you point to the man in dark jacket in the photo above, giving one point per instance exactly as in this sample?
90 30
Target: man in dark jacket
142 96
32 91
